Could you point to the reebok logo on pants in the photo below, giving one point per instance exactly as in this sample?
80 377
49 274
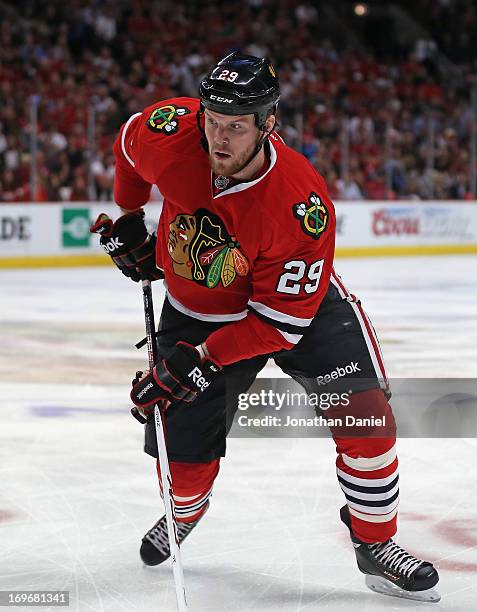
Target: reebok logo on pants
338 373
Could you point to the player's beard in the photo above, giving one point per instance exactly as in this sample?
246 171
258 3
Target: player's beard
234 164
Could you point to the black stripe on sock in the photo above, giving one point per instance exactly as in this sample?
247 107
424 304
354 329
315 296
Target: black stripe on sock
373 504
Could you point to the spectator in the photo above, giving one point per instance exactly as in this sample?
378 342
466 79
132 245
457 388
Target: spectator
349 189
114 58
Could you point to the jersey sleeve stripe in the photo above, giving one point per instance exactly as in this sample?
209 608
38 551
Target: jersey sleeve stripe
282 317
202 316
283 328
292 338
123 137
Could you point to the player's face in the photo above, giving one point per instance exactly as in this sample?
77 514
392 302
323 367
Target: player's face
232 140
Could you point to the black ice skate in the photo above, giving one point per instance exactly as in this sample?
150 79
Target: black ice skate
155 544
391 570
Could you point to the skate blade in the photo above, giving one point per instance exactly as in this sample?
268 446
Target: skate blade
383 586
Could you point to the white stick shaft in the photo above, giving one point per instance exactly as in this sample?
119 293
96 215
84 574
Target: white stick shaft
170 513
166 479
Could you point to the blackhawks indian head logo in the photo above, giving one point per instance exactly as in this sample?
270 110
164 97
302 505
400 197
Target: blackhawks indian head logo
313 216
201 250
165 118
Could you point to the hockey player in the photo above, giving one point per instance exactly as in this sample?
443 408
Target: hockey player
245 245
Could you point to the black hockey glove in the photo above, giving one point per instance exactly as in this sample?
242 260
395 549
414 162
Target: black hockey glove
142 414
129 244
178 377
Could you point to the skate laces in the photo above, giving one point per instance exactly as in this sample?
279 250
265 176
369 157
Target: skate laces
395 557
158 535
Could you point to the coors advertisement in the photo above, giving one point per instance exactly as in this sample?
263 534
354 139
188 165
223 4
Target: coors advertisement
440 222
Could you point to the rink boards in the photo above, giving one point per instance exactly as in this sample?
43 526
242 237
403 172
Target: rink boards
57 234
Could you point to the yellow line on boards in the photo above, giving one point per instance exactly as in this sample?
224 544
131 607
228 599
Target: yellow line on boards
70 261
55 261
425 249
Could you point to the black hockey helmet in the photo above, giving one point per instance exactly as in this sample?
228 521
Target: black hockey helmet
242 85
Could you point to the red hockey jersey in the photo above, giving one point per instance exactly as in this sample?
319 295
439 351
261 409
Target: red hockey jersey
256 255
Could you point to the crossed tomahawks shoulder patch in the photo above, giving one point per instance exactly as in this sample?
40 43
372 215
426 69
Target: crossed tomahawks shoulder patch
313 215
165 118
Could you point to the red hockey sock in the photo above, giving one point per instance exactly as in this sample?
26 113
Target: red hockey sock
367 468
192 487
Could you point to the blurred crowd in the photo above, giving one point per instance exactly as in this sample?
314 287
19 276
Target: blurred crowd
375 127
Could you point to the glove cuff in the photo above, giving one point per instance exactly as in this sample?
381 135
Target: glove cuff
198 354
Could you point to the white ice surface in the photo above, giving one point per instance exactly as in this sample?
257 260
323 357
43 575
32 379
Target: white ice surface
77 493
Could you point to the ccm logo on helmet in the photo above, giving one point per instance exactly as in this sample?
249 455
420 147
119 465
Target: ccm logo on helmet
221 99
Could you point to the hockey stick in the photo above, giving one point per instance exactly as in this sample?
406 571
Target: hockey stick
102 225
163 459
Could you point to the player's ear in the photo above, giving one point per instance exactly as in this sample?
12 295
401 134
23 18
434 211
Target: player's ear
270 123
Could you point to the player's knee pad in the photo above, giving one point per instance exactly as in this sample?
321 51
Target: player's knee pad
192 484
